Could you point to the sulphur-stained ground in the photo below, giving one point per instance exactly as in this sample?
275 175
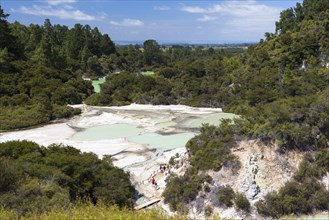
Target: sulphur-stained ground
263 169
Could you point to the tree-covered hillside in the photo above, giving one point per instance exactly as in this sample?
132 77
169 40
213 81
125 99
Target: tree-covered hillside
280 87
35 179
41 69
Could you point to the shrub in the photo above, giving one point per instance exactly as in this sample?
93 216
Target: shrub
225 195
38 179
211 149
184 189
303 194
64 111
206 188
208 210
242 202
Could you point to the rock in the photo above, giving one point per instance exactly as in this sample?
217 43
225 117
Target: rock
253 191
177 160
199 204
254 169
245 184
325 181
248 184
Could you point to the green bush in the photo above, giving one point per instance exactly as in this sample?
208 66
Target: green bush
64 111
241 202
208 211
206 188
38 179
225 195
303 194
184 189
214 144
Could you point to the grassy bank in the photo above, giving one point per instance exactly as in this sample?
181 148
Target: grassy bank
89 211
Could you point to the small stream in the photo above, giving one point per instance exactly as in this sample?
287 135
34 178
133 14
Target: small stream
97 84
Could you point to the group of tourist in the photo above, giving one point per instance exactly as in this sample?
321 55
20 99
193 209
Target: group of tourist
162 169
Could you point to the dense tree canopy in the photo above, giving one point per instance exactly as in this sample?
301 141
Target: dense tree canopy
42 67
35 179
152 52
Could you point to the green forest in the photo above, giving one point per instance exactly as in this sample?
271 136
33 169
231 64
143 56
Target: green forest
279 87
37 179
42 70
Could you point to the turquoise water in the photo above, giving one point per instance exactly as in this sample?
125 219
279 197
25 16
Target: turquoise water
97 84
106 132
134 135
137 135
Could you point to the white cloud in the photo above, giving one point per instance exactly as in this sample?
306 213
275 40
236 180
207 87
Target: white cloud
250 24
236 8
69 7
115 23
197 9
62 9
128 23
162 8
57 2
239 15
207 18
56 12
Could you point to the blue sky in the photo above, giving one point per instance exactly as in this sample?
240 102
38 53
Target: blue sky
165 21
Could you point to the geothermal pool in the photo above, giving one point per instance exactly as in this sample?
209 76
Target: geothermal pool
135 135
131 134
138 137
157 130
